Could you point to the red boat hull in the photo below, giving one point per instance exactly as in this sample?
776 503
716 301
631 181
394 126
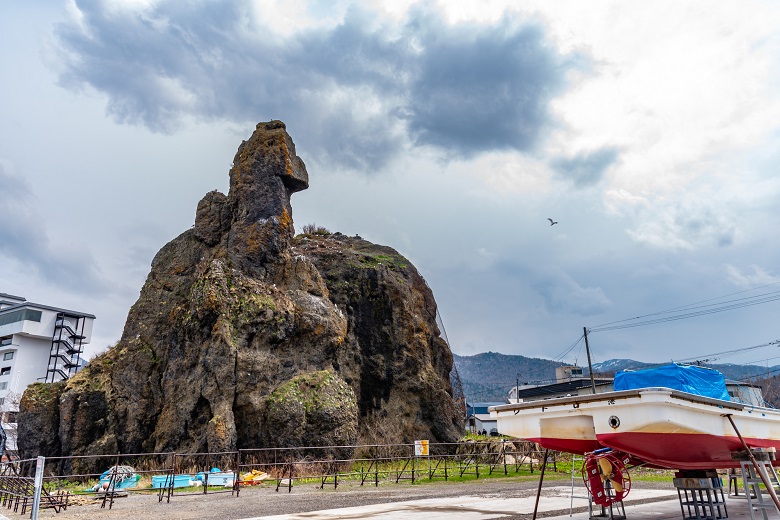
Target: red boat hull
682 451
673 451
658 427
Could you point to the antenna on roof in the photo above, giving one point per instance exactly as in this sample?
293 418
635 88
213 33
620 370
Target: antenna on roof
590 365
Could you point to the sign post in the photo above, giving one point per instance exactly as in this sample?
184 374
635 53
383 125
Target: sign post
421 450
39 464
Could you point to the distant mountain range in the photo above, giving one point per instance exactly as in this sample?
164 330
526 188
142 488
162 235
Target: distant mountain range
489 376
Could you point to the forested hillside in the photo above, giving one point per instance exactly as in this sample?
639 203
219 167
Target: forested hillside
489 376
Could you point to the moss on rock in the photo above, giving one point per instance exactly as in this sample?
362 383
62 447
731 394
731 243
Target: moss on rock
313 409
39 409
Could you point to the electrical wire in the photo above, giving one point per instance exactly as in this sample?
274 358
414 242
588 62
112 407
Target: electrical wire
757 362
730 305
726 353
571 347
755 376
691 305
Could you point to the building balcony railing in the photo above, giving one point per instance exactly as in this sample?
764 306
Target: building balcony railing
68 328
66 362
70 347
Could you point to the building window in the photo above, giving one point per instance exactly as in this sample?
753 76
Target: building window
5 371
4 342
2 401
3 385
20 315
7 356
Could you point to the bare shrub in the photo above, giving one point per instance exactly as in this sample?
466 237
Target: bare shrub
314 229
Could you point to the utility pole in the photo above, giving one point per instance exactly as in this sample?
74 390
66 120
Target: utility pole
517 388
590 365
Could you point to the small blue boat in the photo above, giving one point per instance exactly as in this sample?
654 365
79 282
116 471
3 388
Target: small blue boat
217 478
164 481
124 477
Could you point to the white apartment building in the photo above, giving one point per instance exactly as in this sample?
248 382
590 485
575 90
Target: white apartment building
38 343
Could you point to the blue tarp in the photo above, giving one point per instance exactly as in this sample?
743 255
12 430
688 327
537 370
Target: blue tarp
686 378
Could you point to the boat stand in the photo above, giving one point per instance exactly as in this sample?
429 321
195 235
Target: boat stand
614 511
701 496
586 496
734 483
541 480
751 484
760 469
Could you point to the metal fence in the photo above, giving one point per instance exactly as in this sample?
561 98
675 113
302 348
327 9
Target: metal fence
56 482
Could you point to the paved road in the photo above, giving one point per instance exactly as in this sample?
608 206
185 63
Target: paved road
466 507
493 498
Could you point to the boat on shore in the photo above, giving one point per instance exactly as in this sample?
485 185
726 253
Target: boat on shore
657 426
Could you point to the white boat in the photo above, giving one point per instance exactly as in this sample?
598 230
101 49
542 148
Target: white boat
658 426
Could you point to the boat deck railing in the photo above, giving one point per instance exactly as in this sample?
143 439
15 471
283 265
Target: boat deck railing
627 394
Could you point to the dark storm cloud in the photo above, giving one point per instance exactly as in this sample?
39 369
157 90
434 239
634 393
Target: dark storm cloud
483 88
146 62
585 169
23 238
353 93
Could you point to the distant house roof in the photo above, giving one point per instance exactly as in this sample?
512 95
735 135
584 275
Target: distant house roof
484 419
558 388
733 383
481 408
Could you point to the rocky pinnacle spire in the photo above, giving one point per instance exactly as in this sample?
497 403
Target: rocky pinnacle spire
265 173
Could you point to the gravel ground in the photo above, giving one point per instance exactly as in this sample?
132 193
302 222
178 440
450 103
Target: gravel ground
262 501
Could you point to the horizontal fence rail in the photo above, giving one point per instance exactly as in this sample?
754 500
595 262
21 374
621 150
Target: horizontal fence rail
103 478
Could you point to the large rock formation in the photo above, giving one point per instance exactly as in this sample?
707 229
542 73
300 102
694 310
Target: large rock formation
244 336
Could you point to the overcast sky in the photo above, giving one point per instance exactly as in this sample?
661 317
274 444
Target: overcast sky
648 130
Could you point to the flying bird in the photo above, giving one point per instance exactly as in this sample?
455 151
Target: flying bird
552 222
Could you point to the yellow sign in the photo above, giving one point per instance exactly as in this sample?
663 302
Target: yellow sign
421 448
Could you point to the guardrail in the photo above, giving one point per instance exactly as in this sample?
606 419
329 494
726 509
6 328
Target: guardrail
59 481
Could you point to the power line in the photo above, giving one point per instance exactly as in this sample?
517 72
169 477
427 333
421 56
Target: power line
729 305
726 353
571 347
695 305
756 362
755 376
725 296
